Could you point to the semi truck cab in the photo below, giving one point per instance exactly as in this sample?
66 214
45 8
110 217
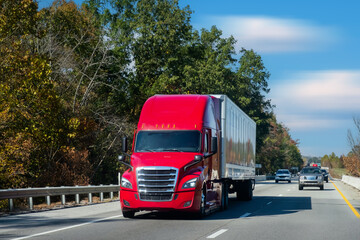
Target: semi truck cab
174 163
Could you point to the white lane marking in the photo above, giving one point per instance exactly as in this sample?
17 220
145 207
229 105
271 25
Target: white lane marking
289 190
65 228
245 215
269 203
214 235
280 195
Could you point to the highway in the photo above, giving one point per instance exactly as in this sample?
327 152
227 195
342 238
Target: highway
277 211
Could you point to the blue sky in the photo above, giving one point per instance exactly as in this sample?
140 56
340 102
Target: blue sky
311 48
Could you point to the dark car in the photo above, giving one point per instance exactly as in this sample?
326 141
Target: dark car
311 177
325 175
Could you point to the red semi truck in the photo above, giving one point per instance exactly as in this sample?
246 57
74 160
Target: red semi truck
189 152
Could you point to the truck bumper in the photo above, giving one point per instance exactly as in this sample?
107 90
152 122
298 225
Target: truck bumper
186 201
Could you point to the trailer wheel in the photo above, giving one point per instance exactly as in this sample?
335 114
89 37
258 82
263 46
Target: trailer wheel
245 191
224 197
248 193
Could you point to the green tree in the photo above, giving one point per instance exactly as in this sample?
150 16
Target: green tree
332 161
36 131
279 150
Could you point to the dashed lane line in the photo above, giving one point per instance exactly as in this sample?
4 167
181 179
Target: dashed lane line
245 215
216 234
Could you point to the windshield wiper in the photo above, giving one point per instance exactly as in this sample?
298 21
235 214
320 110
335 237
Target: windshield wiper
171 150
146 150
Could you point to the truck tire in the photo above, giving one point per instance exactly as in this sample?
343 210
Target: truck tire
224 196
128 214
245 191
248 191
301 187
201 213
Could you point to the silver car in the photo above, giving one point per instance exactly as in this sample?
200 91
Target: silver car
311 177
283 175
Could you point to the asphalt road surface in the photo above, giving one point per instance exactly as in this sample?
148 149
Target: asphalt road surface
277 211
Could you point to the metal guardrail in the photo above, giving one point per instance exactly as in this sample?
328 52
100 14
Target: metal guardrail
57 191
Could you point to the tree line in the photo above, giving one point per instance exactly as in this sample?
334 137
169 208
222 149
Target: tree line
74 79
351 161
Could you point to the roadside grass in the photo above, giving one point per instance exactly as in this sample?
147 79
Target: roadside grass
338 172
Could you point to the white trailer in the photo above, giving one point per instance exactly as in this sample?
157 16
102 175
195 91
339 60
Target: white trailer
238 147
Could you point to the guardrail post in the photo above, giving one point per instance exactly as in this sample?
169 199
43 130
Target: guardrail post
11 204
31 204
111 194
90 197
77 197
48 201
101 195
30 200
63 200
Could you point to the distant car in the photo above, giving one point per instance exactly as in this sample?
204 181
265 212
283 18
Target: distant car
311 177
283 175
325 175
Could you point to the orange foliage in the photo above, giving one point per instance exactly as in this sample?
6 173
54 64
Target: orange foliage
352 164
73 168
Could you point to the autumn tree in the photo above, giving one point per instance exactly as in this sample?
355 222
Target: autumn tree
352 160
279 150
36 132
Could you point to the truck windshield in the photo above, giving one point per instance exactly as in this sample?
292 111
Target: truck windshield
168 141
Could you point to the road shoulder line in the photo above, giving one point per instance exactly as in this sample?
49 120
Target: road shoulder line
65 228
348 203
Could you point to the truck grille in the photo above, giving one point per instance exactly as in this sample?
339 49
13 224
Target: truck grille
156 183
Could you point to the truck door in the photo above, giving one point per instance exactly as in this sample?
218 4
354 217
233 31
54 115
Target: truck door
211 195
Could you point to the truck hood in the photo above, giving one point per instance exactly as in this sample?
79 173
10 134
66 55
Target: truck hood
163 159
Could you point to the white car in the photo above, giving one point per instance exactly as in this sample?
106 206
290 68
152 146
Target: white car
283 175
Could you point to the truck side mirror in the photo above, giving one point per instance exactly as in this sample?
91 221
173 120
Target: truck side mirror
124 144
121 159
214 145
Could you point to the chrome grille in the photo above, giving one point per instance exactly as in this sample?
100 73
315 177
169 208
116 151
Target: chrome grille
156 183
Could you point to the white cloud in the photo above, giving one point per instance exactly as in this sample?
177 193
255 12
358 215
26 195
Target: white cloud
320 90
316 99
298 121
267 34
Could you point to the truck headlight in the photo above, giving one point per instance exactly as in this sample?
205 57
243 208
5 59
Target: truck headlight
125 183
320 177
190 184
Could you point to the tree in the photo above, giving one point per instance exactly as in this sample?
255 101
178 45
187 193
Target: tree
279 150
90 78
331 161
36 146
352 160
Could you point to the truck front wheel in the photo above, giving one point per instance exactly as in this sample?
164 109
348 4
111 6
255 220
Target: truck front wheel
201 213
128 214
